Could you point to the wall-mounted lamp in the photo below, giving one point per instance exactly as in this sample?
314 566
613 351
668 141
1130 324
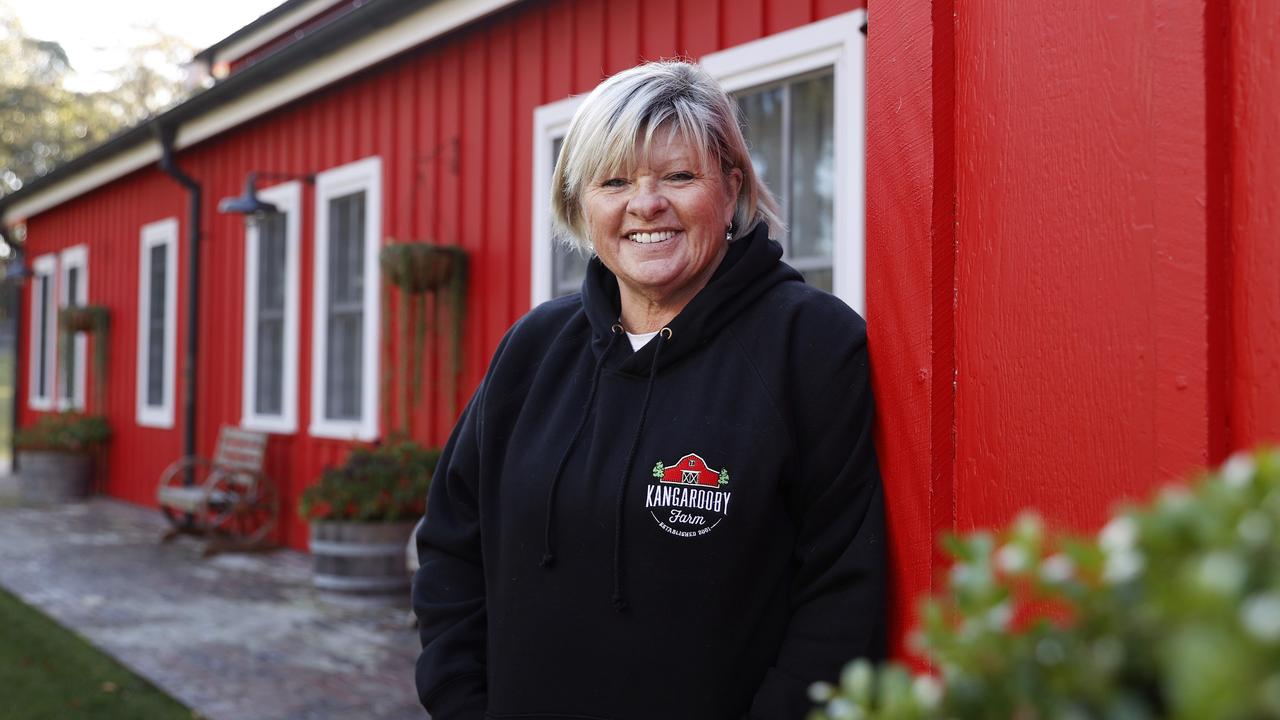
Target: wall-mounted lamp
249 204
16 271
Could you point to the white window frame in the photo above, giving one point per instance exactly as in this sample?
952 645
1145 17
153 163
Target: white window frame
43 266
287 197
360 175
77 257
549 122
160 232
836 42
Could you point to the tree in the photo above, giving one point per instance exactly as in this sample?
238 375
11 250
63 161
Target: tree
43 124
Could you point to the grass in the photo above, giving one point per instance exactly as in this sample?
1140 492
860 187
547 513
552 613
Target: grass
49 673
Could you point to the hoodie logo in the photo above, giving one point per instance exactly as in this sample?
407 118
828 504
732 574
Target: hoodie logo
688 498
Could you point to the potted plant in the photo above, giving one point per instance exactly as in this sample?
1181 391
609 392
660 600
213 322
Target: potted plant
362 514
55 456
1171 611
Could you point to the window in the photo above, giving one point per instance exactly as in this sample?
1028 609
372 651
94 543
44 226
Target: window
43 333
269 382
344 360
73 289
157 322
557 269
801 95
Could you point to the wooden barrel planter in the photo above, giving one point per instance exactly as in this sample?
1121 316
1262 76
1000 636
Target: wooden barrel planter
47 476
360 557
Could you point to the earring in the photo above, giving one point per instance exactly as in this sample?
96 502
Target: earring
728 233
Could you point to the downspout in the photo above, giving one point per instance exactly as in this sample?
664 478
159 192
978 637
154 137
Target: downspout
17 254
165 135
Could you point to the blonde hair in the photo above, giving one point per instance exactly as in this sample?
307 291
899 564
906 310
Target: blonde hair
615 124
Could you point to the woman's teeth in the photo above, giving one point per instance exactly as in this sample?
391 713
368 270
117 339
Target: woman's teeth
644 238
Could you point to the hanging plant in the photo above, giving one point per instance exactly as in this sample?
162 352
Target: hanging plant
93 320
419 269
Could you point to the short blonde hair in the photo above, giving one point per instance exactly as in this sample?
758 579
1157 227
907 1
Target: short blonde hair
617 121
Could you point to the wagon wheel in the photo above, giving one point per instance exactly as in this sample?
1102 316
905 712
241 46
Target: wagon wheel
175 476
242 504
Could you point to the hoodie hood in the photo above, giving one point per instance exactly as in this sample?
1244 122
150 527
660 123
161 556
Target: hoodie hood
750 268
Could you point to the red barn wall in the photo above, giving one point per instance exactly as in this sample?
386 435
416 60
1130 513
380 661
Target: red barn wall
452 122
1072 263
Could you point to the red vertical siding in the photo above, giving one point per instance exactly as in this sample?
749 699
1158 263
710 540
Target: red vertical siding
1080 305
1254 214
910 277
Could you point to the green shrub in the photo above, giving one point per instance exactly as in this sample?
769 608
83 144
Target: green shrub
64 432
1172 611
382 483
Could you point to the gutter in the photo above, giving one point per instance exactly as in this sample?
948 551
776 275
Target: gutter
165 134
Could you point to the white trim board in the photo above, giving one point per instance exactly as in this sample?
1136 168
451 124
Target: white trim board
258 38
160 232
46 267
287 197
432 21
361 175
549 121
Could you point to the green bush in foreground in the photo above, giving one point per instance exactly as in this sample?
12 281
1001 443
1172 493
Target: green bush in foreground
1172 611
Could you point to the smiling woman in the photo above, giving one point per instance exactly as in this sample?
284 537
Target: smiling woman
703 496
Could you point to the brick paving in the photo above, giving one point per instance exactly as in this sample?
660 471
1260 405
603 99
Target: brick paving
235 636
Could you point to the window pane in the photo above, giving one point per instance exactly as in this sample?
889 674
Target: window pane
813 161
268 399
155 326
269 361
71 371
42 336
568 267
271 257
762 119
346 307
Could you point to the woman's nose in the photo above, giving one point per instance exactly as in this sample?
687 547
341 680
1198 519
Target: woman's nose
646 202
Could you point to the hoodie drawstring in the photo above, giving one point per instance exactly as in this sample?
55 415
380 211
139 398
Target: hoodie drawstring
549 555
619 599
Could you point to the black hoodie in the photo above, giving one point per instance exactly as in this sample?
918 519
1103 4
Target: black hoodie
691 530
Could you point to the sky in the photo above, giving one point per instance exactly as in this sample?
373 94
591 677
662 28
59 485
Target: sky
94 32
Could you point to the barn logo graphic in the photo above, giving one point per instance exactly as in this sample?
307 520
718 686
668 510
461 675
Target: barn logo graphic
688 498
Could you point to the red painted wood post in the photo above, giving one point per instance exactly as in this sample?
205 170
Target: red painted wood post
910 273
1254 230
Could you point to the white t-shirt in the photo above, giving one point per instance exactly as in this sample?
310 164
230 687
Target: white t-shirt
639 341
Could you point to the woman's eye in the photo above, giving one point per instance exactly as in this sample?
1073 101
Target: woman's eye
681 176
614 182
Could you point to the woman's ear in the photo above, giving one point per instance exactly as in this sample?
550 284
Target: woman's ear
732 185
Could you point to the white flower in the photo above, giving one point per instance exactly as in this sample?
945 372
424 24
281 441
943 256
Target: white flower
1123 566
1260 616
928 691
1221 572
999 617
1012 558
1050 652
1057 569
841 709
1237 471
1254 529
1119 535
820 692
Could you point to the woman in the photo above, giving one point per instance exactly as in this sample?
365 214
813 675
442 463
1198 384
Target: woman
663 500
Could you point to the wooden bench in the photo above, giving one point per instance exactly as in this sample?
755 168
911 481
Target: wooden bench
226 499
